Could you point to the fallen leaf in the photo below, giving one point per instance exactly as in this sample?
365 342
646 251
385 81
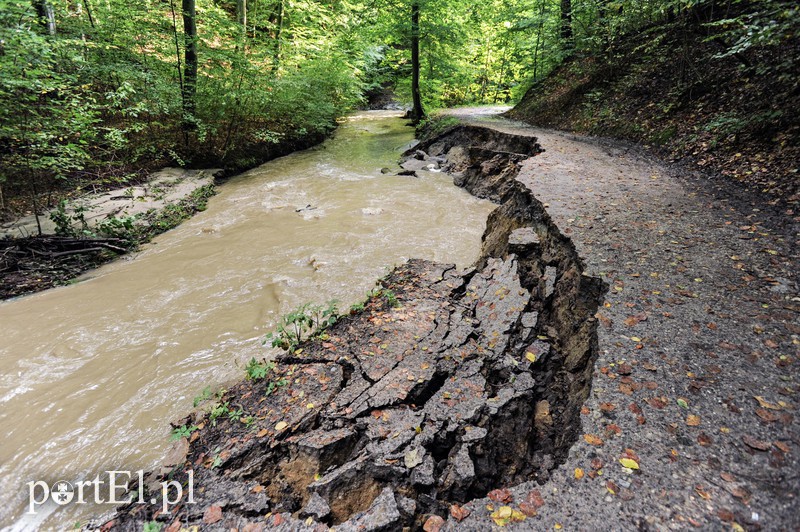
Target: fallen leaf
630 321
702 492
611 487
459 513
782 446
629 463
534 498
530 356
657 402
281 425
578 473
704 439
682 402
763 403
591 439
505 514
740 492
500 495
756 444
727 477
693 420
766 415
433 524
607 407
212 515
624 369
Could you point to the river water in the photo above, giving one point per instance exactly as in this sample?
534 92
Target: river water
92 373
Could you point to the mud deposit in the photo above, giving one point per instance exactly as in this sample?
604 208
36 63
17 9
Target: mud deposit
470 381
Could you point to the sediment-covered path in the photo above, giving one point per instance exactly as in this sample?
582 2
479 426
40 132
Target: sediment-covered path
697 376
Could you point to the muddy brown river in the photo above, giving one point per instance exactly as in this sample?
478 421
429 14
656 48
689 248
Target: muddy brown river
92 373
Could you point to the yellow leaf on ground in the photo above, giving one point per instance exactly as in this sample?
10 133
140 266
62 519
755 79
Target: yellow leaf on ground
281 425
530 356
578 473
591 439
692 420
629 463
763 403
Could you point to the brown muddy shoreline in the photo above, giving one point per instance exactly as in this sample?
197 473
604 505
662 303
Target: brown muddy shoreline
30 264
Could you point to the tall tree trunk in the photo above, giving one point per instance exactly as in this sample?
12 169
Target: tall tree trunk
241 12
88 12
566 23
190 64
417 112
47 15
279 16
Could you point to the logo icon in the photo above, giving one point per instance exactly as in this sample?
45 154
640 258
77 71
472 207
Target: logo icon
62 492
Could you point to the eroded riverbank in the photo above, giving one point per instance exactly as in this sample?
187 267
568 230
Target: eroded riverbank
459 383
94 372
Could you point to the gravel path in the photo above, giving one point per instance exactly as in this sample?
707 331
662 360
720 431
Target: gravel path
697 378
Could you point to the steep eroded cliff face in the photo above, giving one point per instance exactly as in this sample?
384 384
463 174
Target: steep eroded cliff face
449 384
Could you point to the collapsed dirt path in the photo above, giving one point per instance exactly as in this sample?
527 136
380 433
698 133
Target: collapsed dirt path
383 421
697 373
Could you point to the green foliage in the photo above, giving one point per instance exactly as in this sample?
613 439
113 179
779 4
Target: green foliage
152 526
183 431
304 322
275 385
205 395
387 295
763 23
258 370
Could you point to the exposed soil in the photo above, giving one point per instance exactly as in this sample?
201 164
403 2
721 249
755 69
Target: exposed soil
691 416
470 381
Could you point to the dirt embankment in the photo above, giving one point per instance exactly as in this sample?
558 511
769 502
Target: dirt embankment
447 386
670 89
87 231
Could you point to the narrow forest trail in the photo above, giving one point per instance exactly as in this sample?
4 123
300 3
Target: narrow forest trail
699 338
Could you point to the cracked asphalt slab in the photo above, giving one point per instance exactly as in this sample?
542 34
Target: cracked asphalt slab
696 383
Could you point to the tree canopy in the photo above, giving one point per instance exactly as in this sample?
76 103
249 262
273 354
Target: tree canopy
94 91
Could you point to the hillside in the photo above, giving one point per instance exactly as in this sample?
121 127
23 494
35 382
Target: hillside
690 97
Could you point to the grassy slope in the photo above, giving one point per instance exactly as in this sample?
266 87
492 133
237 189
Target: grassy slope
734 116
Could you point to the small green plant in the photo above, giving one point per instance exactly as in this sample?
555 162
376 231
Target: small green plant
256 370
302 323
182 432
65 223
272 386
152 526
390 297
117 227
387 294
235 414
358 307
219 410
205 395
